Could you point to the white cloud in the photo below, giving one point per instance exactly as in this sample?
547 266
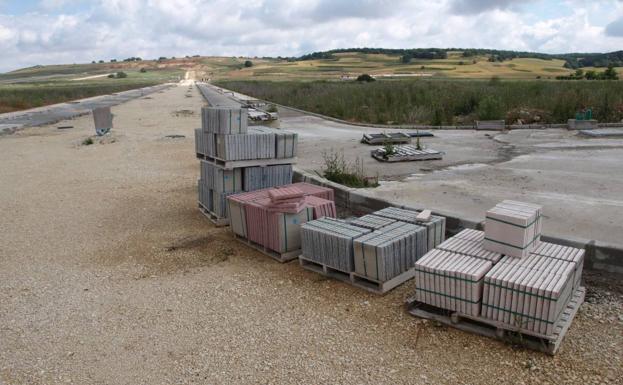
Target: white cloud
106 29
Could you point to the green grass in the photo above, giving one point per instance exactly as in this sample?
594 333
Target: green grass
25 95
441 102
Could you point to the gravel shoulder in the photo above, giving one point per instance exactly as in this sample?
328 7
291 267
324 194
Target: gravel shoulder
110 275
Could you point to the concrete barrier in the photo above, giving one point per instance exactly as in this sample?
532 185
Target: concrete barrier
582 124
600 256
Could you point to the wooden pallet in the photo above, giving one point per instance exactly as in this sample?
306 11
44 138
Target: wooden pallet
380 287
407 153
362 282
218 221
231 164
548 344
280 257
381 138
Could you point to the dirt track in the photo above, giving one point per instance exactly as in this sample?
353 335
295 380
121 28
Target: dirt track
110 275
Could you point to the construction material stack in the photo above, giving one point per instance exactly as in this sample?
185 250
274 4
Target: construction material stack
376 252
513 228
270 219
237 158
504 278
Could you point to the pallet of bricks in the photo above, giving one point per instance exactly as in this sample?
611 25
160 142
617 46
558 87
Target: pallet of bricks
236 158
504 282
269 220
376 252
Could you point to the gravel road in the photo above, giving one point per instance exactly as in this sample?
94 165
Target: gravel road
110 275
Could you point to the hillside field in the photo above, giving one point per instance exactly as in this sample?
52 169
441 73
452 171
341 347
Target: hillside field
42 85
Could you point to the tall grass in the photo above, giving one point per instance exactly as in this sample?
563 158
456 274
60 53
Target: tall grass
19 97
440 102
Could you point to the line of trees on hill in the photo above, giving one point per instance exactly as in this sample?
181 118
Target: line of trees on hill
572 60
608 74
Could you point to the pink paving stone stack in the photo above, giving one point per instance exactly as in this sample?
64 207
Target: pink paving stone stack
272 217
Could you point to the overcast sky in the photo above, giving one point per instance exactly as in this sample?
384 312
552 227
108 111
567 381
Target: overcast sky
77 31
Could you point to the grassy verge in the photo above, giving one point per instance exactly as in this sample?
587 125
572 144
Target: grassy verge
25 95
440 102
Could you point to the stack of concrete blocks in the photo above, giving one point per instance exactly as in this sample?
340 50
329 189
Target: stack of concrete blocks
329 242
225 139
526 286
272 217
388 251
529 293
371 248
451 281
470 242
435 225
513 228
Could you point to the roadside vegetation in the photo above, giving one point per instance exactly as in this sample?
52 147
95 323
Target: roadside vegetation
27 93
351 174
21 97
444 102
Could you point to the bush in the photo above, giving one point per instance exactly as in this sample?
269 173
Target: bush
365 78
272 108
143 70
121 75
87 142
111 76
248 63
337 170
490 108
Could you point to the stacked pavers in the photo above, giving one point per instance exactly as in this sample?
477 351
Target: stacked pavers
272 217
377 247
513 228
225 139
504 274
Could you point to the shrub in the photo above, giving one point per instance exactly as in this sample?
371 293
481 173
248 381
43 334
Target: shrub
248 63
121 75
143 70
365 78
87 142
490 108
337 170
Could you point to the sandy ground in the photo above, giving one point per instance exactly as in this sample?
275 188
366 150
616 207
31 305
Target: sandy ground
110 275
579 181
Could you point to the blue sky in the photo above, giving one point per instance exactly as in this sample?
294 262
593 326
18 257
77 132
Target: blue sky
75 31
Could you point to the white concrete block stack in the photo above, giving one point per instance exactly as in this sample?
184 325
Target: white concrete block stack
513 228
505 274
435 225
389 251
237 158
469 242
451 281
530 293
566 253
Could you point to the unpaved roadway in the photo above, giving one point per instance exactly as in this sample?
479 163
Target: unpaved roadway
110 275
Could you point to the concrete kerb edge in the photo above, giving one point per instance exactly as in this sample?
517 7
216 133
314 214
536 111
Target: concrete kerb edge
600 256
